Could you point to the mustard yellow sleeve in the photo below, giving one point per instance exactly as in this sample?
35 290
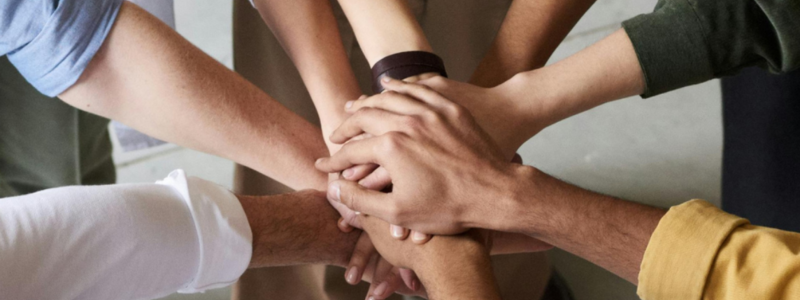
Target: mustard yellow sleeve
699 252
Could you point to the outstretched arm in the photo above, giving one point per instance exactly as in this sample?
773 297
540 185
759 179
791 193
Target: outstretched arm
530 33
149 77
384 28
649 56
309 33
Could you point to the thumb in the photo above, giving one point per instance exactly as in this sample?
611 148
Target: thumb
358 198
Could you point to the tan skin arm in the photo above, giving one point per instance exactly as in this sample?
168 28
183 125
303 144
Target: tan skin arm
530 33
147 76
450 267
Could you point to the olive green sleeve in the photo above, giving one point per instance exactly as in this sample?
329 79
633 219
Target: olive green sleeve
685 42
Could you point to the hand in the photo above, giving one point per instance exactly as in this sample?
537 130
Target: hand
502 111
386 279
456 267
447 174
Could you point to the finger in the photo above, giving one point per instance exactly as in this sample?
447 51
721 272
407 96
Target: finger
398 232
359 172
386 281
420 238
349 216
418 91
369 120
409 279
350 155
358 198
344 226
377 180
392 102
361 256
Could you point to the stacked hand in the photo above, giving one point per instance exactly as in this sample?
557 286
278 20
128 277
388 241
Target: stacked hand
431 148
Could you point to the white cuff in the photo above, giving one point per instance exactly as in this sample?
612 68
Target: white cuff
224 235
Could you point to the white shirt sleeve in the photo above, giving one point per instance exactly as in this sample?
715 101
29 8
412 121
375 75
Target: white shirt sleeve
132 241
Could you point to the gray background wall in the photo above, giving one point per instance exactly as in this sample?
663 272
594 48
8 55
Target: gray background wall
660 151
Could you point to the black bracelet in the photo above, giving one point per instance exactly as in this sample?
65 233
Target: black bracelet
406 64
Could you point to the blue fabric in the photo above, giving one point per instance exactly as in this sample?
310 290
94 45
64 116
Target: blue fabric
51 42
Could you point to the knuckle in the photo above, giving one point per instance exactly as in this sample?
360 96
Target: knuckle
394 214
432 116
457 111
412 123
392 142
436 80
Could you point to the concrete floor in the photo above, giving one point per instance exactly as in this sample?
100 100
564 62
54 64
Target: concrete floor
660 151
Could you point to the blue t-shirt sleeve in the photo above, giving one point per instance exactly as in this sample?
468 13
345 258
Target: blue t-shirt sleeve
51 42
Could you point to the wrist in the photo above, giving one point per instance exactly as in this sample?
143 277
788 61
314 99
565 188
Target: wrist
524 209
458 268
296 228
531 99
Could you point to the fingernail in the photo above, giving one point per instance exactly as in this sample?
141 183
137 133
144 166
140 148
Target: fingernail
319 160
349 104
386 79
334 193
352 273
372 298
357 213
381 289
348 173
397 231
418 236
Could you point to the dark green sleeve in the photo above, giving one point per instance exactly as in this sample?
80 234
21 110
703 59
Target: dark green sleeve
685 42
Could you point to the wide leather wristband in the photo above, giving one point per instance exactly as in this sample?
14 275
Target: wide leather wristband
406 64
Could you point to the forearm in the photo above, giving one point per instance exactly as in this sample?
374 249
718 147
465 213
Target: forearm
296 228
147 76
607 231
450 267
309 33
531 31
606 71
457 270
384 27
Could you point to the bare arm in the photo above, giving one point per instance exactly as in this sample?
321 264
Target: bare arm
530 33
149 77
450 267
607 231
532 100
384 27
296 228
309 33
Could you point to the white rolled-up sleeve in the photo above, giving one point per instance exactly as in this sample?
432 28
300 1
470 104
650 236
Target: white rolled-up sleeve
131 241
